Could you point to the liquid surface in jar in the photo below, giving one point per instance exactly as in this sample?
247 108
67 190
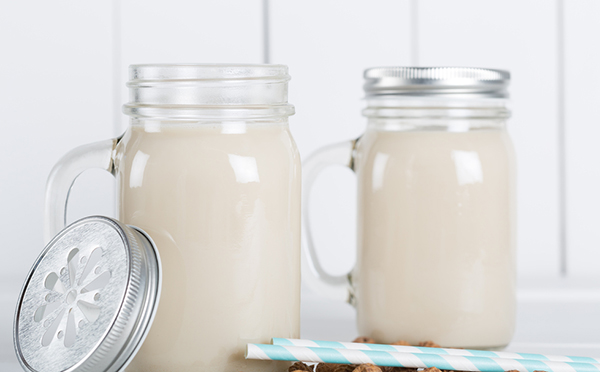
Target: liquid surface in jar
436 237
221 202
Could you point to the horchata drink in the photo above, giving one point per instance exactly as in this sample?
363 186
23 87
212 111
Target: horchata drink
208 168
436 209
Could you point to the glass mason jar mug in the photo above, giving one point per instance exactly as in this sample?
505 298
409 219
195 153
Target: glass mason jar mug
436 209
209 169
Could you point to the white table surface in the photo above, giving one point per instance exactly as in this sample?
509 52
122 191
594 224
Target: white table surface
560 317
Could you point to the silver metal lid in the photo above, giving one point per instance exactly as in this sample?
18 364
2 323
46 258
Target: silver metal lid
451 82
89 299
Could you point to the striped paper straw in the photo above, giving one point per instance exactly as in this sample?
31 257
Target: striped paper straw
410 360
431 350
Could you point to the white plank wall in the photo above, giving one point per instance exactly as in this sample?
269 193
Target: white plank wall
55 94
582 109
327 45
64 68
519 36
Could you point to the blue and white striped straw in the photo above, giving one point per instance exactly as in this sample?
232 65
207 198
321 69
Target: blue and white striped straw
431 350
410 360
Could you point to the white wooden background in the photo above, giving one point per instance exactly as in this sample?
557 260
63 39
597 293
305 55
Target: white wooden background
63 66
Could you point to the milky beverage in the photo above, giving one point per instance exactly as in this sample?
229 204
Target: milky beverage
436 237
221 202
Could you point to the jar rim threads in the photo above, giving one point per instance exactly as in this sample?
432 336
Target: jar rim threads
188 91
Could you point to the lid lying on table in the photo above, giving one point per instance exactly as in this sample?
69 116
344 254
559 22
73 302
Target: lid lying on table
89 300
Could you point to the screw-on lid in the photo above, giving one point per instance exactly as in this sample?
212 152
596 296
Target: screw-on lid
451 82
89 299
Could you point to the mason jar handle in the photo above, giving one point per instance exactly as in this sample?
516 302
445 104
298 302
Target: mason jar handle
64 174
336 287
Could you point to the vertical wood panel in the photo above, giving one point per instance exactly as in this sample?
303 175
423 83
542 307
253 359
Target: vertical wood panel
519 36
55 95
328 44
582 93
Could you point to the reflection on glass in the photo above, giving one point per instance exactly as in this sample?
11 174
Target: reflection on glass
468 167
137 169
378 169
245 168
233 127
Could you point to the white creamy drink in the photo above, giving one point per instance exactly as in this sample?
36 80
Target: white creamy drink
209 170
221 202
435 171
436 237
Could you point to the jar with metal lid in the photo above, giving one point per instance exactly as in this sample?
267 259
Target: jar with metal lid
209 170
436 209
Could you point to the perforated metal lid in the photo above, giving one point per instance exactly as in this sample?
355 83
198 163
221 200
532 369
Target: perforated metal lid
455 82
89 299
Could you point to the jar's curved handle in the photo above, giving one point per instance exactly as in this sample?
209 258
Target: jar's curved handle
313 274
64 174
